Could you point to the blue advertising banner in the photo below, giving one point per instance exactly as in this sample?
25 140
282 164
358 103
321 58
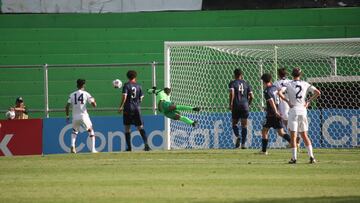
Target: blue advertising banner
109 133
330 128
340 128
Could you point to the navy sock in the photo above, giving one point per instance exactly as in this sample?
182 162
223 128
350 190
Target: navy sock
264 143
143 136
287 137
236 130
128 140
243 135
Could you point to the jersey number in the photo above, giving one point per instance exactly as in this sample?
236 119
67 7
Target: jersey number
298 96
133 92
80 99
241 89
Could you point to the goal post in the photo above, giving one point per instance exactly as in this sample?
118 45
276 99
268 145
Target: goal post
199 73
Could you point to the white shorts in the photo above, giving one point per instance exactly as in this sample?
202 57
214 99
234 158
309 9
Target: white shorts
298 123
85 122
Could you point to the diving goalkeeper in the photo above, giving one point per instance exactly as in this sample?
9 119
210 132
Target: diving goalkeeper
169 109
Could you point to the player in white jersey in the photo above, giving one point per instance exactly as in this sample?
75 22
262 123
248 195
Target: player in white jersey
297 91
78 101
283 106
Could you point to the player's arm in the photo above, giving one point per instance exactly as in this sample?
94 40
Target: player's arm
91 100
231 98
93 103
250 97
316 93
67 108
250 94
282 96
123 99
154 90
273 106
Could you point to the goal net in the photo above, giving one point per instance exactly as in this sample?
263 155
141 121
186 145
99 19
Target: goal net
199 74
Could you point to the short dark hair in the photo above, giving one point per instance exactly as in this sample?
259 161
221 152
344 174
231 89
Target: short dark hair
80 83
237 72
19 100
266 77
131 74
296 72
282 72
167 90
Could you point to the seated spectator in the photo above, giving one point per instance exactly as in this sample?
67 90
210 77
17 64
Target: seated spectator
20 109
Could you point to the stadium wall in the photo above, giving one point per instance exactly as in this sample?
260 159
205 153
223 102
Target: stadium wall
135 37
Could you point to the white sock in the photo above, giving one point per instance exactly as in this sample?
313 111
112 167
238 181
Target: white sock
310 151
73 139
92 143
294 153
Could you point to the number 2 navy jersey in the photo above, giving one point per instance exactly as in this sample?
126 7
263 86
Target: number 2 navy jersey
241 93
134 95
271 93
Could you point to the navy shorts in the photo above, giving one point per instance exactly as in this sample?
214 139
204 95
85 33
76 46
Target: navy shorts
132 118
273 122
239 114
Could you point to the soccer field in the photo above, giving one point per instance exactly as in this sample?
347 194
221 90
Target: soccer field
182 176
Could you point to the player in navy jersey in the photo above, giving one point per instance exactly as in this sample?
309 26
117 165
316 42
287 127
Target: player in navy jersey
240 98
273 116
132 96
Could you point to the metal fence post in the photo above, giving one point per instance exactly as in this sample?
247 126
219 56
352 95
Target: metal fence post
153 78
46 91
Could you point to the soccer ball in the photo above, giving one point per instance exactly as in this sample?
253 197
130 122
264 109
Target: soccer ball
117 83
10 115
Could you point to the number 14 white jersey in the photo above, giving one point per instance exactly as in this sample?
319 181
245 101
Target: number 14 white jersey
297 91
78 100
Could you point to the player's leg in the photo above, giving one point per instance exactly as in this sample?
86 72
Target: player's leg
279 126
303 128
175 115
281 132
184 107
293 135
127 121
235 129
75 131
143 136
89 127
293 127
127 137
264 139
139 125
244 115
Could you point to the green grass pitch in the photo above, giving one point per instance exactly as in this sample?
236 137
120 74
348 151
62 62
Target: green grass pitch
182 176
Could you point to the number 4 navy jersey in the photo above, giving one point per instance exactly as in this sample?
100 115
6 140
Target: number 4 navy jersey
241 93
134 95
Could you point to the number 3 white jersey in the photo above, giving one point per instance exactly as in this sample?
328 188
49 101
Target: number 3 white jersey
78 100
297 91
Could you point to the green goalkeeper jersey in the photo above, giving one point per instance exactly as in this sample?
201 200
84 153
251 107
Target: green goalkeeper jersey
160 95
